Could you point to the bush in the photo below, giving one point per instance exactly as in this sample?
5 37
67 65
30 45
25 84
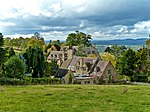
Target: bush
29 81
14 68
10 81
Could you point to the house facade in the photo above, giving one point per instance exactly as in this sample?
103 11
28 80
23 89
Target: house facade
86 70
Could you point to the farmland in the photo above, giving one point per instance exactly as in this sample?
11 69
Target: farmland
75 98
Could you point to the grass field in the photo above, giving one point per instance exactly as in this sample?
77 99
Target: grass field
75 98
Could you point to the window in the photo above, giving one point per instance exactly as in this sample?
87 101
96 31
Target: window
97 69
109 71
77 67
84 68
93 52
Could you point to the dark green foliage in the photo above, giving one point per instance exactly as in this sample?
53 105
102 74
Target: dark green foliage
11 52
55 43
1 40
2 51
28 56
53 67
78 38
29 81
126 64
71 39
14 68
80 52
116 50
141 56
47 68
35 61
38 63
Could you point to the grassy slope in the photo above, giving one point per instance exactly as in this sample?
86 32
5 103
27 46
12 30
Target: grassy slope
74 98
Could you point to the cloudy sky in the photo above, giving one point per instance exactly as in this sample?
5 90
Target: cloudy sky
55 19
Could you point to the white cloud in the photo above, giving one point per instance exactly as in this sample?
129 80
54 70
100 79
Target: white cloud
141 27
104 19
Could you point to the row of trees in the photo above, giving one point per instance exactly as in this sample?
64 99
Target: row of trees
31 55
31 60
129 62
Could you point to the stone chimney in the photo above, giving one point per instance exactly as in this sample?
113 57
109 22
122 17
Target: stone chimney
70 53
81 64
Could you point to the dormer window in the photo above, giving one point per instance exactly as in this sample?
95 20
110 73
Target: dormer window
93 52
77 67
84 68
97 69
109 72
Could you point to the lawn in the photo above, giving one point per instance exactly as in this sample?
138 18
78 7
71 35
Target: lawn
75 98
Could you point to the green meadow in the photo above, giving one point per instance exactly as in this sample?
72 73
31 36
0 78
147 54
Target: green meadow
75 98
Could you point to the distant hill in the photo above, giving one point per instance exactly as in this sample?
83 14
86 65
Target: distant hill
140 41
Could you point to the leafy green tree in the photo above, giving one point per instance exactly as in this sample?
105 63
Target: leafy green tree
35 61
141 56
109 57
11 52
80 52
38 63
116 50
28 56
37 35
7 41
84 39
126 64
2 51
14 68
71 39
53 67
78 39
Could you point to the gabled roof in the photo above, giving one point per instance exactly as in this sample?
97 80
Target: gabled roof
85 60
61 73
66 63
75 59
103 65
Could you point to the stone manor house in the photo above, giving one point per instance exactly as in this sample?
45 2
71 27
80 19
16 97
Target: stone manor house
85 69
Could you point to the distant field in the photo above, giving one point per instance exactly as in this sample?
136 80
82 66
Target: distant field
75 98
101 48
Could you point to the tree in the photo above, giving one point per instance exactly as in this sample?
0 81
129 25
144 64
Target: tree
28 56
35 61
53 67
109 57
2 51
38 63
85 39
11 52
141 57
126 64
71 39
37 35
14 68
116 50
78 39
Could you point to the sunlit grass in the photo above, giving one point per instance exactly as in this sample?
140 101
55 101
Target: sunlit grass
75 98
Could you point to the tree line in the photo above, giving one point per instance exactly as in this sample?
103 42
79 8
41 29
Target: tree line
20 56
130 63
30 57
